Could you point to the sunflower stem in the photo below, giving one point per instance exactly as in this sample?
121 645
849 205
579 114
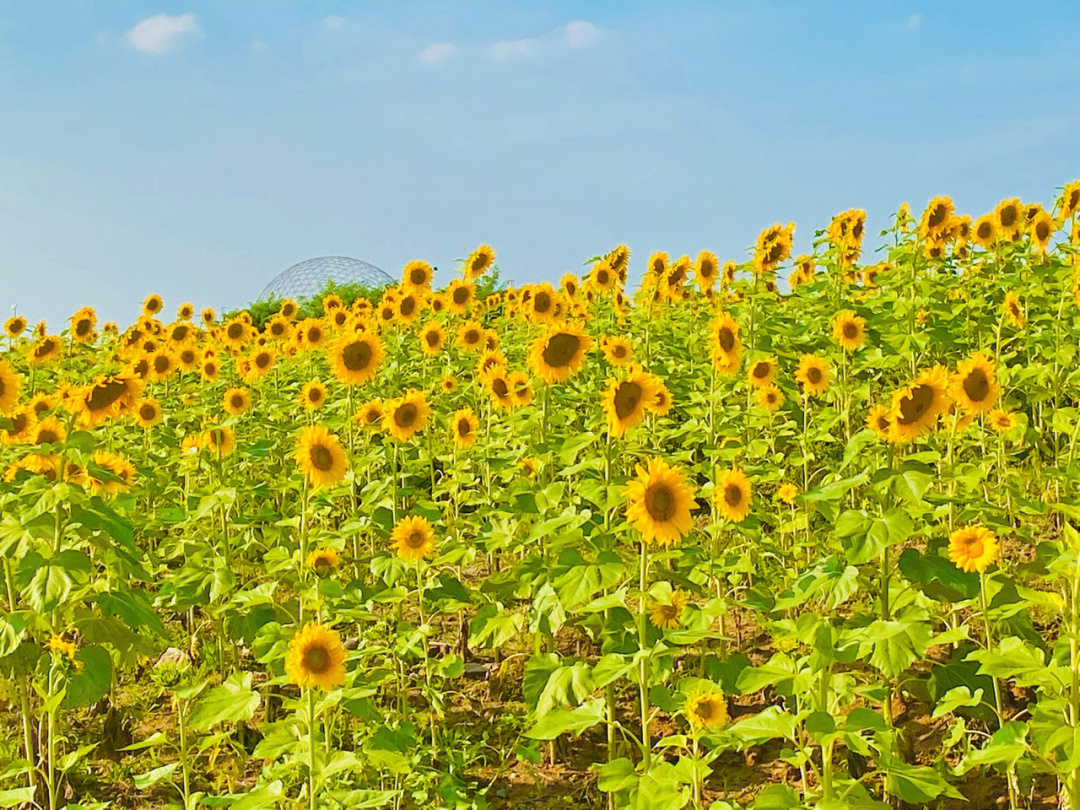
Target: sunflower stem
311 747
643 673
999 706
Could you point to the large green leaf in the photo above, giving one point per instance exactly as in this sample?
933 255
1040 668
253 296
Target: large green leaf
229 702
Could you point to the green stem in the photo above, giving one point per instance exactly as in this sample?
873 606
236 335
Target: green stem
311 747
643 674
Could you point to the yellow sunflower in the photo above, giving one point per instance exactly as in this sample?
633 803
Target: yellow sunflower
313 395
414 538
448 383
813 374
625 401
9 387
153 304
770 398
355 359
661 402
320 456
1014 310
707 710
849 330
45 349
210 369
973 548
107 398
529 466
49 431
464 428
974 385
917 406
236 401
1002 421
23 425
1010 218
726 346
370 415
761 372
733 495
478 262
617 350
316 658
417 274
660 503
148 412
406 415
432 338
879 421
322 560
459 295
208 316
470 336
666 615
82 325
935 219
706 269
555 356
1041 229
15 326
220 441
120 478
788 492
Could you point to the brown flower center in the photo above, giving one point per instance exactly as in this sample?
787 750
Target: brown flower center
461 296
660 502
733 495
726 338
561 349
357 355
976 385
761 370
814 375
316 659
851 330
321 458
405 415
627 399
915 404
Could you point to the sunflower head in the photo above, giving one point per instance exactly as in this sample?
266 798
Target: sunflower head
660 503
464 425
666 615
916 407
413 538
355 359
625 401
813 374
788 492
973 548
323 561
406 415
707 710
761 373
555 356
320 456
478 262
849 330
974 385
733 495
1002 421
316 658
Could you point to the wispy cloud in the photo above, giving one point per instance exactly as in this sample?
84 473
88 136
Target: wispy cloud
575 34
438 52
507 49
913 22
579 33
162 33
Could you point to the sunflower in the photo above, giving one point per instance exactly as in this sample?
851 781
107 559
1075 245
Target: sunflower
262 362
152 305
470 336
624 401
312 395
120 473
665 615
42 402
313 334
210 369
9 387
44 350
320 456
849 330
707 710
555 356
406 415
432 338
414 538
1014 310
23 425
529 466
188 357
935 219
617 350
355 359
15 326
706 269
148 412
661 402
916 407
813 374
107 398
478 262
220 441
770 398
279 328
660 503
726 346
464 428
733 495
973 548
370 415
288 309
1041 229
879 421
49 431
974 385
236 401
788 492
569 284
761 372
322 560
448 383
1010 218
1002 421
316 658
459 295
208 316
82 325
498 386
417 274
407 308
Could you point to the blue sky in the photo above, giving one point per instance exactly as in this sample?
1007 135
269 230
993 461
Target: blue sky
196 149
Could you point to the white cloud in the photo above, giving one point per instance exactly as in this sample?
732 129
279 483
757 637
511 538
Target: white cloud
437 52
162 33
333 21
913 22
579 33
508 49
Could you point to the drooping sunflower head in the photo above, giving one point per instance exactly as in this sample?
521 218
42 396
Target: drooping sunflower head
414 538
666 615
733 495
323 561
569 284
659 503
973 548
152 305
15 326
813 374
707 710
849 330
316 658
23 425
107 398
478 262
44 350
320 456
935 219
1014 310
625 401
555 356
406 415
726 345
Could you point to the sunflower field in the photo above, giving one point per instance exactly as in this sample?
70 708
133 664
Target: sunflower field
793 531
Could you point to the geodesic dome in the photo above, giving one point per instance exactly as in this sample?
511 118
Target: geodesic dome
307 278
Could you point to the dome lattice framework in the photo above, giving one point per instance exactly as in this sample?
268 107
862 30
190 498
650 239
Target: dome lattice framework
308 278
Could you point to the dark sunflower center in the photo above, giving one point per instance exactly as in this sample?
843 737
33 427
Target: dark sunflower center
478 263
542 302
235 331
357 356
733 495
314 335
937 216
82 328
105 394
761 370
705 710
47 436
883 422
915 404
321 457
1042 231
726 338
315 394
44 349
405 415
277 329
707 270
464 428
288 310
976 385
237 401
161 364
461 295
418 276
499 386
472 336
772 255
660 502
373 416
619 351
179 333
602 277
814 375
627 399
415 539
984 230
262 360
147 412
851 331
316 659
1008 216
408 305
432 338
561 349
188 356
18 423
